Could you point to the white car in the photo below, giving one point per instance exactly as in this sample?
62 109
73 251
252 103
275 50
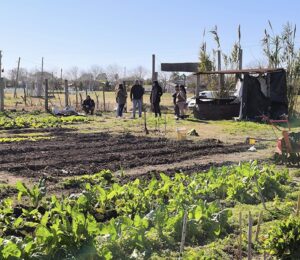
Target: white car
208 94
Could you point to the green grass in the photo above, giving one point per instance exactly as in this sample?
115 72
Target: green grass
234 127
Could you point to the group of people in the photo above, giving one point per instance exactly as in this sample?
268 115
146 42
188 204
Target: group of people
136 96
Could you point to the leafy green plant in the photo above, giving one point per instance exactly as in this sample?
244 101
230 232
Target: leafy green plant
113 220
283 239
35 194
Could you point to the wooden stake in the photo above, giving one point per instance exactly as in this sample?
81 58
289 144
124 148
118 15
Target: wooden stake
76 95
258 225
104 98
183 234
250 237
240 236
298 206
46 95
165 124
66 93
25 97
145 123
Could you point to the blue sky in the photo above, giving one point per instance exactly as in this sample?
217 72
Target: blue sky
127 32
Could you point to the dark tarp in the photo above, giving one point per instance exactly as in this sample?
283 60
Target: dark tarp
254 103
278 94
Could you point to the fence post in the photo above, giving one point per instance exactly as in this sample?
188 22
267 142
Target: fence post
76 95
240 236
104 108
250 237
46 95
66 93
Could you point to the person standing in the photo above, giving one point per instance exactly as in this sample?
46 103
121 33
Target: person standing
155 95
181 100
136 96
176 108
121 97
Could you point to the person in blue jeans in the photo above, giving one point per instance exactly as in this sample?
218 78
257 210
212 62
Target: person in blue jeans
136 96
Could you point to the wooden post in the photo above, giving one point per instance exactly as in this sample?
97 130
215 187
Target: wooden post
183 234
165 124
298 206
1 90
240 236
76 95
17 79
66 93
198 85
240 58
219 68
145 123
24 90
250 237
258 225
46 95
153 67
103 90
53 85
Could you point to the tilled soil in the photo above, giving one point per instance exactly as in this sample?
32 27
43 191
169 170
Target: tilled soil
75 153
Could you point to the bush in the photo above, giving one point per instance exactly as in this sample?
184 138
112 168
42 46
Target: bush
283 240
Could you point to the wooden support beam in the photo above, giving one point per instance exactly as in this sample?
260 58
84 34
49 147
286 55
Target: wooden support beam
66 93
46 95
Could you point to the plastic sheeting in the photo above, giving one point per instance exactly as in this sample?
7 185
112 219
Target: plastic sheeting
255 103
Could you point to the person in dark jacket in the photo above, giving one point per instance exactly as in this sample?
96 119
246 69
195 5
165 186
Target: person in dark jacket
155 95
176 108
121 97
136 96
88 105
